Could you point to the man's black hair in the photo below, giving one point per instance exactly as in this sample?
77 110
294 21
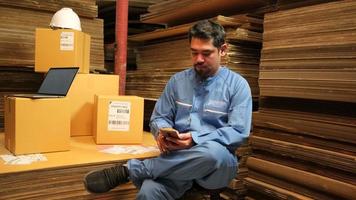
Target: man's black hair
207 29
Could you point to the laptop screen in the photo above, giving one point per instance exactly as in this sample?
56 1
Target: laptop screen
58 81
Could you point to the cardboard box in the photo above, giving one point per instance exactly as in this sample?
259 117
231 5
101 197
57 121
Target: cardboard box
62 48
81 97
36 125
118 119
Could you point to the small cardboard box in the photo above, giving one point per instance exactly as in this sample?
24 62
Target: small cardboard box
62 48
36 125
81 97
118 119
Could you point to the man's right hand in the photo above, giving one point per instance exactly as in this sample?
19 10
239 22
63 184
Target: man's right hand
162 143
167 144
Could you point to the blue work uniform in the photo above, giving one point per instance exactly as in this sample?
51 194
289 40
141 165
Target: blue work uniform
217 112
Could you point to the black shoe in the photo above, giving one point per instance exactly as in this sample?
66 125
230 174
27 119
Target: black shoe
104 180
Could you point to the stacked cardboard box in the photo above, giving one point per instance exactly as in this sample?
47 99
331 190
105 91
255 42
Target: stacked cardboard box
45 125
69 48
82 93
17 40
118 119
36 125
17 35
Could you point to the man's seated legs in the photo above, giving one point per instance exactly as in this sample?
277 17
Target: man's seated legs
209 164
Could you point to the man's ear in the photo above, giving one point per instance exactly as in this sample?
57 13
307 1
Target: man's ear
223 49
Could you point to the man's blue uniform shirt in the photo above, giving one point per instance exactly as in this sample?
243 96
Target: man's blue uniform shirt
218 108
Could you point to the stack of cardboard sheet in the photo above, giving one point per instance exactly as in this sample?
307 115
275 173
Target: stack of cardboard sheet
174 12
167 51
155 65
304 148
279 5
60 183
16 80
304 139
309 53
20 18
59 175
107 12
236 188
244 46
288 4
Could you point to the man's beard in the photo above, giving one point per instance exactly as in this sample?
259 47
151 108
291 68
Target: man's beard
202 70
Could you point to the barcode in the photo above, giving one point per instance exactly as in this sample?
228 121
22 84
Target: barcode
117 122
122 111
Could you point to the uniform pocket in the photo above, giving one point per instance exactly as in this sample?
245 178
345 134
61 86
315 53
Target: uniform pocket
215 113
182 118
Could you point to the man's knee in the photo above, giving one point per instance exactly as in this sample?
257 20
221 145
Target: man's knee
213 153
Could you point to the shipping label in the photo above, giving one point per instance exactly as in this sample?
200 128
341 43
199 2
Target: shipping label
67 41
119 116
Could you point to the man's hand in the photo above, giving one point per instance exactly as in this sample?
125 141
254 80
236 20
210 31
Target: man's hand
167 144
162 143
185 141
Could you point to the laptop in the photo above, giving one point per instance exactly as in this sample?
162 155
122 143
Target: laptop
55 85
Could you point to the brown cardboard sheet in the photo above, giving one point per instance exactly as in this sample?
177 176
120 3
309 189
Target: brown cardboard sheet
309 52
183 11
302 178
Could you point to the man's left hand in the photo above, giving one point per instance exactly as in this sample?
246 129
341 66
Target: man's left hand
185 141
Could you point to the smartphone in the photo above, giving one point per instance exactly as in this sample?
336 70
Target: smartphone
170 132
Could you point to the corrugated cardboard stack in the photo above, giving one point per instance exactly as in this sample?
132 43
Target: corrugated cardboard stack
313 140
312 57
244 46
16 80
236 188
175 12
64 182
107 11
154 69
17 35
304 132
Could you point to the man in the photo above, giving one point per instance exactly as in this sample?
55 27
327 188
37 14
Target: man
210 106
